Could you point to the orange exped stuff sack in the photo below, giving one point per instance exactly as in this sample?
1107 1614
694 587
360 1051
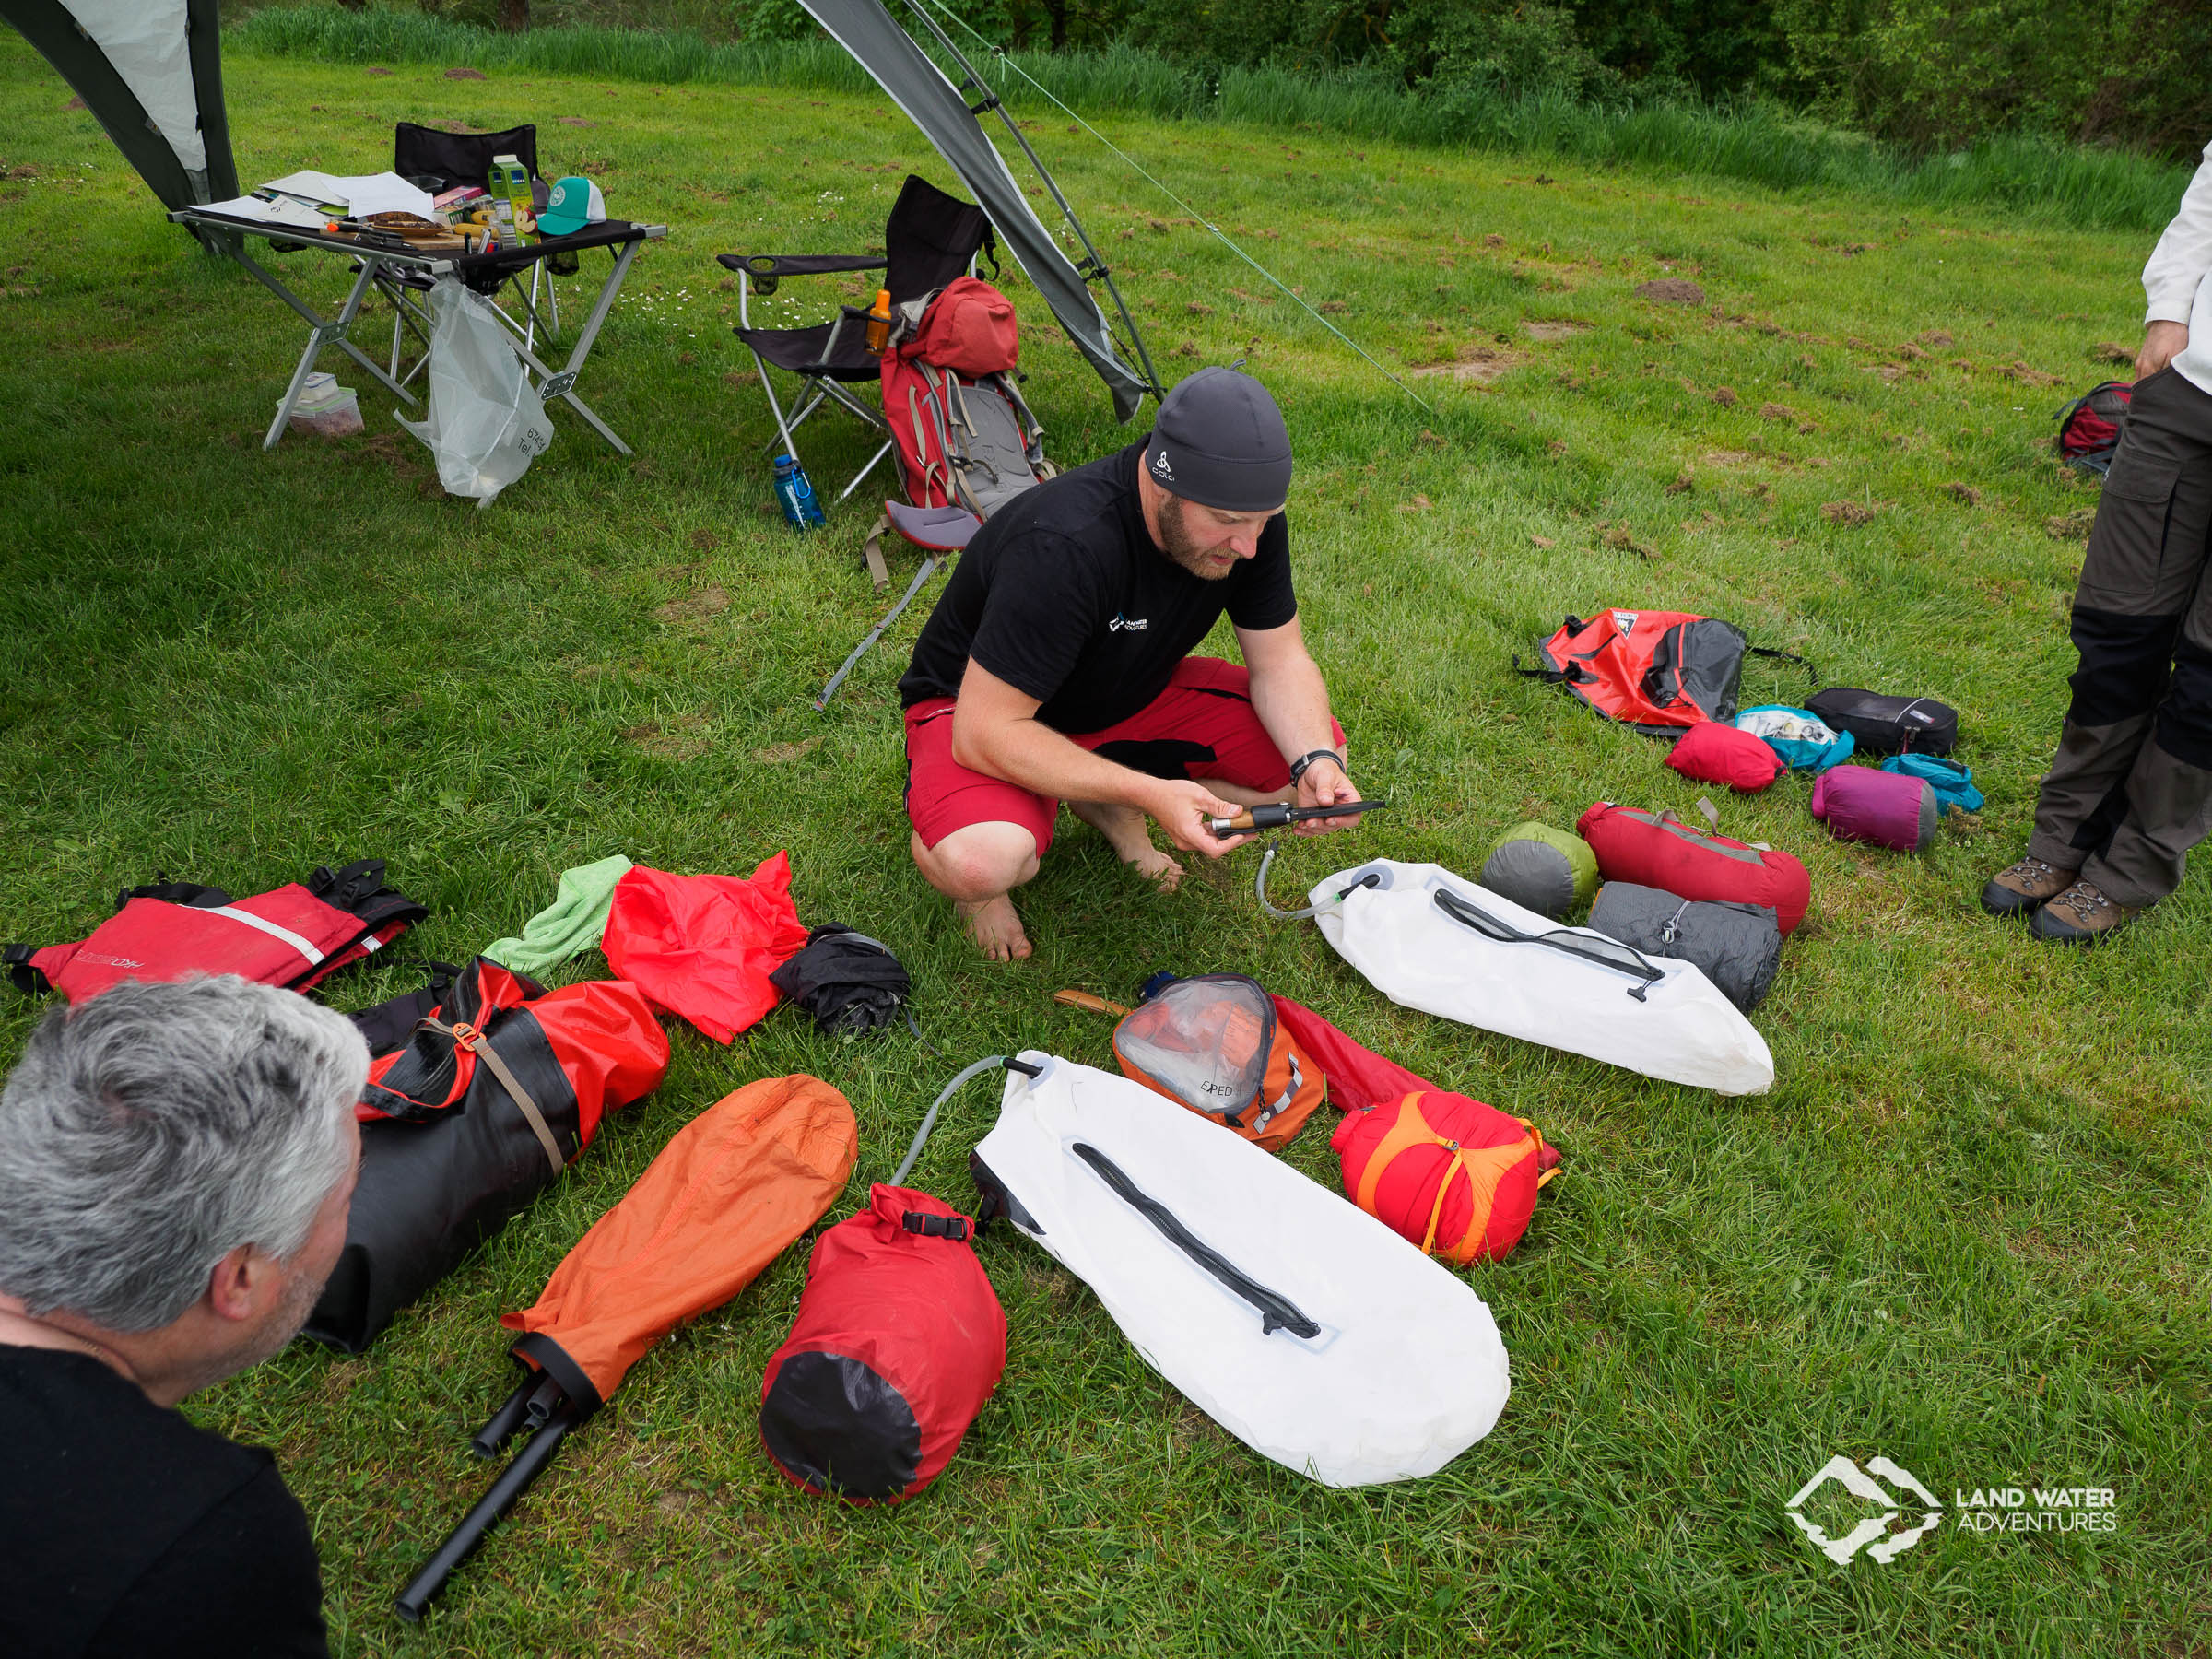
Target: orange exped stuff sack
728 1195
1448 1174
1213 1043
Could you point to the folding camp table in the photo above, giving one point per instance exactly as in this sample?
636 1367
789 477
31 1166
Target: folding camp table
387 269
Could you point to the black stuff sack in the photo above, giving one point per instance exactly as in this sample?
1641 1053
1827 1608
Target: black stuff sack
1737 947
847 980
1888 725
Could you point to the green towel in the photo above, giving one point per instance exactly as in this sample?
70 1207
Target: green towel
572 922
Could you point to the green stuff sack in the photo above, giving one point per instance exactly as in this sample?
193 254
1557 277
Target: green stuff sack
1546 870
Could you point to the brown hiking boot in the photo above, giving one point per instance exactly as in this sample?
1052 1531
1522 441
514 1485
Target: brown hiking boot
2024 887
2080 915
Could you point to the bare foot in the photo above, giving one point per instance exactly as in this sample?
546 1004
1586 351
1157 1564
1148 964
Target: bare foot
995 928
1127 833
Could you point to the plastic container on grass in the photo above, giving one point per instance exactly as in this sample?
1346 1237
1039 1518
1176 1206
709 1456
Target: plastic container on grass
326 408
794 493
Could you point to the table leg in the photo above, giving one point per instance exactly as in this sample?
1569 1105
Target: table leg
321 331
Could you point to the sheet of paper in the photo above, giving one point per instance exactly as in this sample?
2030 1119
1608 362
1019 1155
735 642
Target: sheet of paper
361 193
282 211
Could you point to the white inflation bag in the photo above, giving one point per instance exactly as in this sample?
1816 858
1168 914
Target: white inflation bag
1432 941
1301 1324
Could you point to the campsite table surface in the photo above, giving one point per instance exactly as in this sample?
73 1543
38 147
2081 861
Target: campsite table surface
388 268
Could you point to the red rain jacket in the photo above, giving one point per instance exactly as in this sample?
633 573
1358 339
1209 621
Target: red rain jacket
702 947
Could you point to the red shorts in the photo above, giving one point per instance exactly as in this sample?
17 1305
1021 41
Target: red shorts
1203 725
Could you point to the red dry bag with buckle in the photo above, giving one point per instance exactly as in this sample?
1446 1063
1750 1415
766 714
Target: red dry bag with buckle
898 1342
294 937
499 1088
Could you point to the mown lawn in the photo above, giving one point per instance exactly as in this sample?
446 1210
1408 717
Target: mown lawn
1967 1229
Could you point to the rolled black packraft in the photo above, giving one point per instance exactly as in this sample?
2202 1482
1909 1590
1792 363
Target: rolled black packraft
1888 725
1738 946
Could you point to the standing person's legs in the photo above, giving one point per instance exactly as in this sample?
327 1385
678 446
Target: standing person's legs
2144 564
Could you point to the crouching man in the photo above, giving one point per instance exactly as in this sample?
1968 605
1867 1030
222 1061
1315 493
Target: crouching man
1055 665
175 1167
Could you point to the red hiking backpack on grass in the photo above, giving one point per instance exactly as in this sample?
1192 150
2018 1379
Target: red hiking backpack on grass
293 936
2089 427
1658 672
965 438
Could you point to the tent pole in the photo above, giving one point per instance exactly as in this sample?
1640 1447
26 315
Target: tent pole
1092 257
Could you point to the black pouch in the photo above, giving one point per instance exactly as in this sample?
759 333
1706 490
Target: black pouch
1888 725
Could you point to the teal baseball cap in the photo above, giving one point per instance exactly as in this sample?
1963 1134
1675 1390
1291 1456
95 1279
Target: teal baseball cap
573 202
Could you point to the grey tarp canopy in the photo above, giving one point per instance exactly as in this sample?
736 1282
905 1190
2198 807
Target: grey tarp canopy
152 72
916 85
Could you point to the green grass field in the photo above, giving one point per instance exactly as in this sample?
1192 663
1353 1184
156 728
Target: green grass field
1967 1229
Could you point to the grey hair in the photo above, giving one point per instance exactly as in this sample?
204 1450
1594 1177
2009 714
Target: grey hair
148 1133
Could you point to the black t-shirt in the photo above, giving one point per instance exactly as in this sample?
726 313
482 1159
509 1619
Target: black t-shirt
1063 595
125 1530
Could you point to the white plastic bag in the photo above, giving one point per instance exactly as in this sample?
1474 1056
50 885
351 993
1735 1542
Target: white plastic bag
1303 1325
1652 1015
486 423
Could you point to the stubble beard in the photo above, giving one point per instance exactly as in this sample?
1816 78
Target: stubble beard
1180 545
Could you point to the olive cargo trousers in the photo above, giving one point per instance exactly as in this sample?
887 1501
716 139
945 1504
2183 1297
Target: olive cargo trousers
2130 790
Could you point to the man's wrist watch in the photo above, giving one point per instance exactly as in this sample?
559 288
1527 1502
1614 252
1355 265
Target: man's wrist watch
1297 767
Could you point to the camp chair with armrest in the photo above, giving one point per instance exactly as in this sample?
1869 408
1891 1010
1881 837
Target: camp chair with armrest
438 160
930 238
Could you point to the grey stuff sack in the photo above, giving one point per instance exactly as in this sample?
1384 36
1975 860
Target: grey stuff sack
1737 946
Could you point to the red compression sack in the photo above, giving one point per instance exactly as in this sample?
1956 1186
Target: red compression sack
293 936
702 947
1450 1175
1715 753
898 1342
1664 852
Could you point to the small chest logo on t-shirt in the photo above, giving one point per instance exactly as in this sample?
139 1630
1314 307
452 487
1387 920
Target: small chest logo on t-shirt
1121 624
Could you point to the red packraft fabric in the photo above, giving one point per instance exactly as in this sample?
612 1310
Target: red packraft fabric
1713 753
1448 1174
969 328
899 1341
702 947
1643 848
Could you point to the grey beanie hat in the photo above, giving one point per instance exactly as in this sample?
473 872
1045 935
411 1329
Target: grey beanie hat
1219 441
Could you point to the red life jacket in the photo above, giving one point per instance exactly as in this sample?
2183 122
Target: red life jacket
294 937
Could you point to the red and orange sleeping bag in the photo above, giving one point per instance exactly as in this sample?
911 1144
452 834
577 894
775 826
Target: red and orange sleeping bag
1448 1174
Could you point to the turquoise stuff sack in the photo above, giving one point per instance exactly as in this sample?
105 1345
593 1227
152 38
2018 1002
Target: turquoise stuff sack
1953 783
1801 738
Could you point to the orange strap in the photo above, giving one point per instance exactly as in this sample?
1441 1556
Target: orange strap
1083 999
1459 1161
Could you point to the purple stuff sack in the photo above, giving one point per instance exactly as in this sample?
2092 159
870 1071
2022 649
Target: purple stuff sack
1890 809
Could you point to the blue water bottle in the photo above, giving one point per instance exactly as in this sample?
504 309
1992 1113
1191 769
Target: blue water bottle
801 511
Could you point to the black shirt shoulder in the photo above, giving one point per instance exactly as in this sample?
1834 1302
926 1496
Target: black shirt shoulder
126 1530
1063 595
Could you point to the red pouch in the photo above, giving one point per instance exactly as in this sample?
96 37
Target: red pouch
1714 753
702 947
1664 852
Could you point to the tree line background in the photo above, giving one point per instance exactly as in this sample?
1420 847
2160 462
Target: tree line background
1927 74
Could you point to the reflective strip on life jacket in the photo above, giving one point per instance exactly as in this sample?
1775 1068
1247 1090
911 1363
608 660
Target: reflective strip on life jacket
274 930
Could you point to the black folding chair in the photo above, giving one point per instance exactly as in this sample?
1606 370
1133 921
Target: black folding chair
438 161
930 238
